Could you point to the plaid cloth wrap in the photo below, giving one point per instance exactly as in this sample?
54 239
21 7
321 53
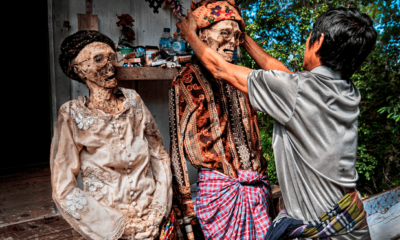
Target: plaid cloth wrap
233 208
345 216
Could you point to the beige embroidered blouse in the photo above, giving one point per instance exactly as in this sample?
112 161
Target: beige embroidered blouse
125 170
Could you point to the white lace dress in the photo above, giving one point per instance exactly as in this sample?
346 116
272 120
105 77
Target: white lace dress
125 170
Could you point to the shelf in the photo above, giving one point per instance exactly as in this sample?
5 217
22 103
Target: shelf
145 73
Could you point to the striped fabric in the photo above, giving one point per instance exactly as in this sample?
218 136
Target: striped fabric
170 229
345 216
233 208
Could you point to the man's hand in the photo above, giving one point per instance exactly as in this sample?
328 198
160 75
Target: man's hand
187 25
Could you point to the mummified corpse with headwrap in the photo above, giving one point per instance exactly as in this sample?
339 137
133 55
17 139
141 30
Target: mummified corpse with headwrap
215 129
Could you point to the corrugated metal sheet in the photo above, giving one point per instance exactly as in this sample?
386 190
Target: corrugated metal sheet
384 214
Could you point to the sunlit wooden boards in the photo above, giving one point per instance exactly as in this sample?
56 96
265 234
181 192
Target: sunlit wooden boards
145 73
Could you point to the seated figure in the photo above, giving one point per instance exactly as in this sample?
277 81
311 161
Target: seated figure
214 128
111 137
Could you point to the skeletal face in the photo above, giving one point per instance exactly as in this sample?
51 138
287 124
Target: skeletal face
223 37
94 64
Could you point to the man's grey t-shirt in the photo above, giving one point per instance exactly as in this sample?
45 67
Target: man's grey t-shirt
315 135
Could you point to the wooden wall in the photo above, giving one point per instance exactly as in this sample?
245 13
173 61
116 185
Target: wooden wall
148 27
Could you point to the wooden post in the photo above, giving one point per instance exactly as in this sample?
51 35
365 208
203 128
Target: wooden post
88 22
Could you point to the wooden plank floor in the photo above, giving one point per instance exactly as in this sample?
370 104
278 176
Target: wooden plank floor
25 194
43 229
27 210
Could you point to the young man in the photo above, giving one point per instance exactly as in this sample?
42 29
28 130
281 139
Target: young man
315 130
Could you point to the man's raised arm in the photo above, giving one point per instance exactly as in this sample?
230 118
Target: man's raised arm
263 59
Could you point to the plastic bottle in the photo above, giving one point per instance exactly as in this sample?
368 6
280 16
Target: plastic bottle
166 40
179 43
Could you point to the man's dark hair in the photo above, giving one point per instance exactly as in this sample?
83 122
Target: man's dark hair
349 38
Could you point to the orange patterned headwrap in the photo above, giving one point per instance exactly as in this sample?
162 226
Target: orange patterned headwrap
208 12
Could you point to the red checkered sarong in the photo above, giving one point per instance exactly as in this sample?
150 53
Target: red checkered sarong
233 208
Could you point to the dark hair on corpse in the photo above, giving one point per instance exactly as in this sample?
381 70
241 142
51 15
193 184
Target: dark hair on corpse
349 38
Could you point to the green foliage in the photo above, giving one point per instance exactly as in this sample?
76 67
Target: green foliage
266 126
282 28
378 80
392 112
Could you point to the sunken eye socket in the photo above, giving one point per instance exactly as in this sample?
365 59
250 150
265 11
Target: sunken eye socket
112 57
98 58
230 34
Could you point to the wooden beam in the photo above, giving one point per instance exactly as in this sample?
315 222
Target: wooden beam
145 73
60 83
50 28
88 22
